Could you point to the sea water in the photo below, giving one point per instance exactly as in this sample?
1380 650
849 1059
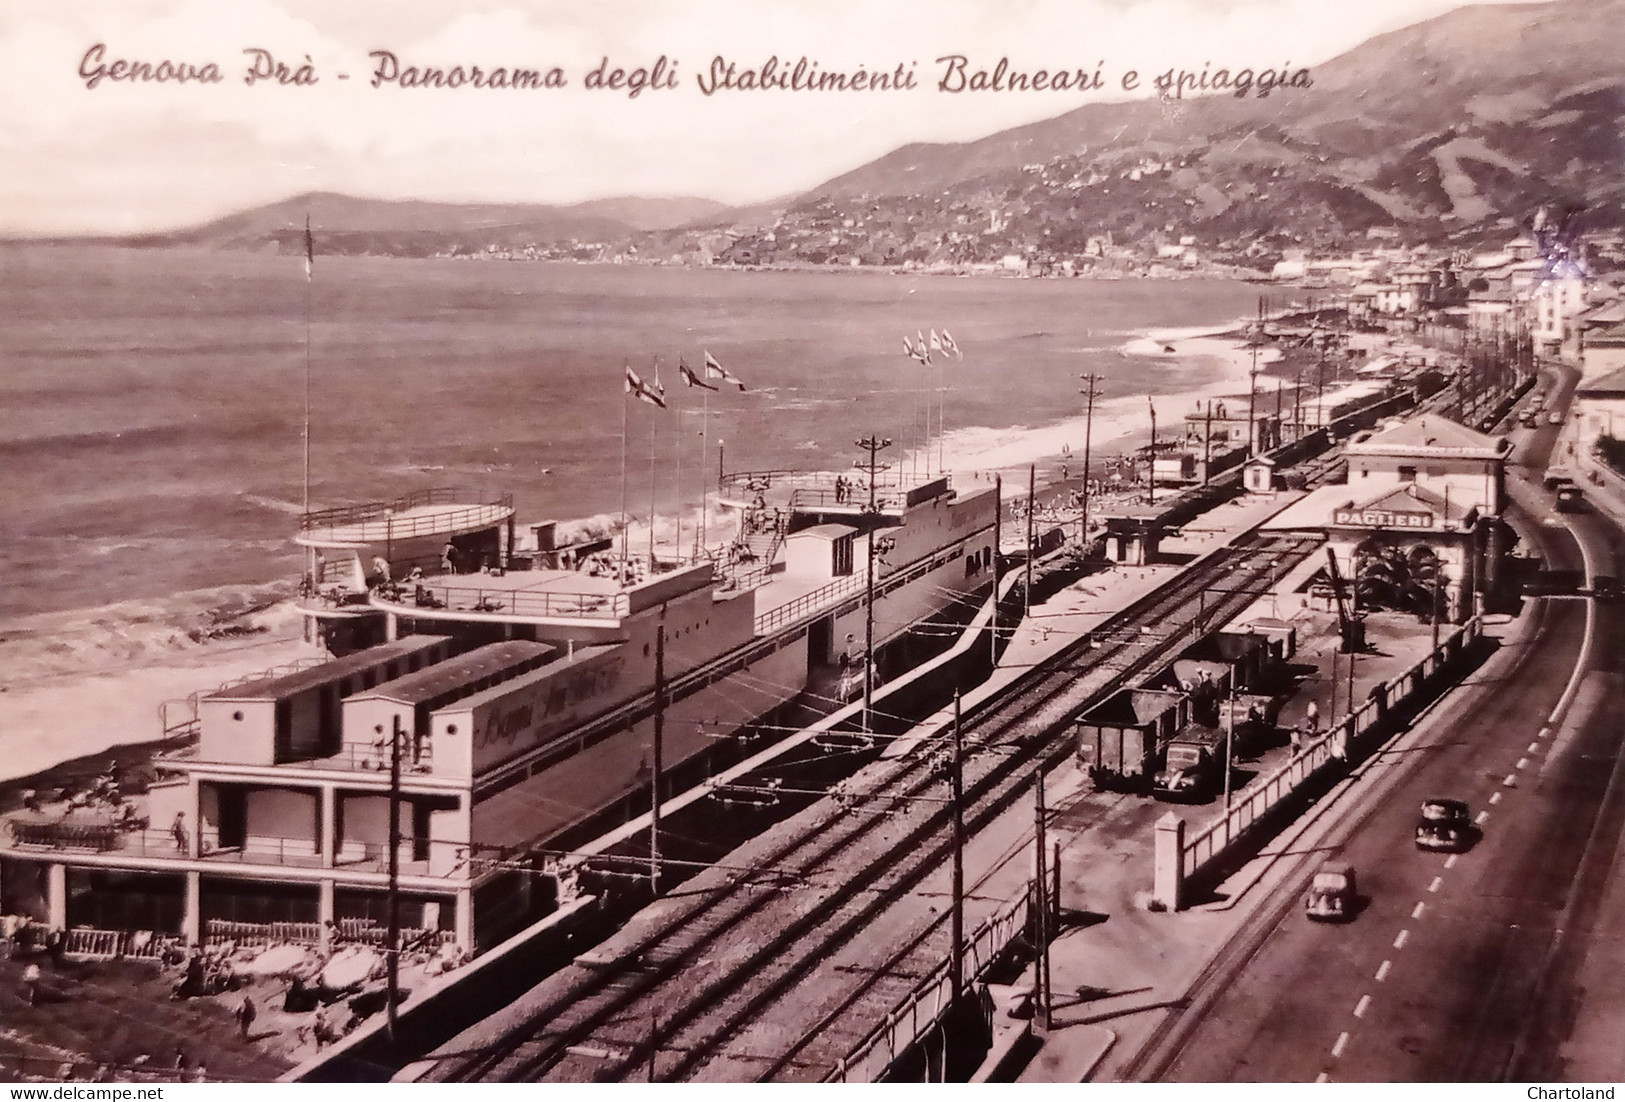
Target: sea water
152 401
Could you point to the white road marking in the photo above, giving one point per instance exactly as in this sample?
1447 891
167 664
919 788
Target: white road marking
1509 780
1450 862
1404 935
1521 763
1495 798
1342 1040
1382 970
1362 1006
1543 732
1416 911
1534 747
1321 1078
1482 815
1433 887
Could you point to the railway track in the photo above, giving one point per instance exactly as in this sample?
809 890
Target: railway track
683 984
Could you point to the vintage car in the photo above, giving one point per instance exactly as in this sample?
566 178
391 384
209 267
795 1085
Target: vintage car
1331 893
1444 825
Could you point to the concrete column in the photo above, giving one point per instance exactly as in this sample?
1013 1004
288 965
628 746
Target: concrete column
56 896
325 914
1168 878
391 627
194 815
464 926
327 844
192 912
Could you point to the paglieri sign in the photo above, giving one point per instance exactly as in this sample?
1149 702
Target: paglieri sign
1382 518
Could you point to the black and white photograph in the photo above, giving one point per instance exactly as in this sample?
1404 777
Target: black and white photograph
812 541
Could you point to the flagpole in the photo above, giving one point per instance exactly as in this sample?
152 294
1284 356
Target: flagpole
654 433
705 492
626 393
679 449
942 413
309 275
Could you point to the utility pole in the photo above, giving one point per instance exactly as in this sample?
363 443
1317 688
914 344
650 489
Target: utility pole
998 535
1032 507
1297 408
873 445
1151 459
1435 608
659 755
1332 711
1351 681
392 933
1041 977
1229 741
1252 385
1207 441
1320 393
956 776
1091 381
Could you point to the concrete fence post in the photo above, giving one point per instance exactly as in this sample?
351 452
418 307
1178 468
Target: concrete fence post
1168 878
1340 739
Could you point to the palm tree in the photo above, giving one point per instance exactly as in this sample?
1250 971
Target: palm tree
1405 579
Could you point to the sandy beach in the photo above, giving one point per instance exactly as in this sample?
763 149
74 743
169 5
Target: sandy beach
81 681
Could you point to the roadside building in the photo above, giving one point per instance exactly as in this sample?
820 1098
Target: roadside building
1419 521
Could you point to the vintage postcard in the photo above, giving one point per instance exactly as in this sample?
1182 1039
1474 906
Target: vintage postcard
675 540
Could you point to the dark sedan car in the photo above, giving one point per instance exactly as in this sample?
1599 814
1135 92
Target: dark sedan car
1444 825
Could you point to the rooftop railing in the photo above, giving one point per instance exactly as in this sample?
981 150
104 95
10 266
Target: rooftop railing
382 520
747 482
539 604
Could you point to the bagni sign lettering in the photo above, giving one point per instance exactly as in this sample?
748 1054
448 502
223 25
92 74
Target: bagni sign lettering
1381 518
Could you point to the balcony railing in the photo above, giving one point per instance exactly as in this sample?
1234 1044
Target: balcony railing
76 836
376 521
545 603
369 757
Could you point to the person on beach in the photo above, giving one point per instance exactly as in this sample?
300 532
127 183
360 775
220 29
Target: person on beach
1312 716
178 831
448 559
31 984
246 1014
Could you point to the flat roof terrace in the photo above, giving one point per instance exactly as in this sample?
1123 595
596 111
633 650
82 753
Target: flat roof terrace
603 588
444 511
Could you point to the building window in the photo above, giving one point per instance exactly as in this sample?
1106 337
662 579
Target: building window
1407 474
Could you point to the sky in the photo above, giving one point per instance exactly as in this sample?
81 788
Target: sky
132 156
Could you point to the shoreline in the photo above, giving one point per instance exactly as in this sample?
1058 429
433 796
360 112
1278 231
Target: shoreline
103 672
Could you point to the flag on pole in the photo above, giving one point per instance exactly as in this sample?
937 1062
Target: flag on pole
922 351
949 346
641 390
691 379
310 250
714 370
936 342
917 351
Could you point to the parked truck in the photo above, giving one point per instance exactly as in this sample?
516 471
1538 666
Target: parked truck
1193 764
1120 740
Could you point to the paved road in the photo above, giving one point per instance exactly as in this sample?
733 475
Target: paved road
1464 969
